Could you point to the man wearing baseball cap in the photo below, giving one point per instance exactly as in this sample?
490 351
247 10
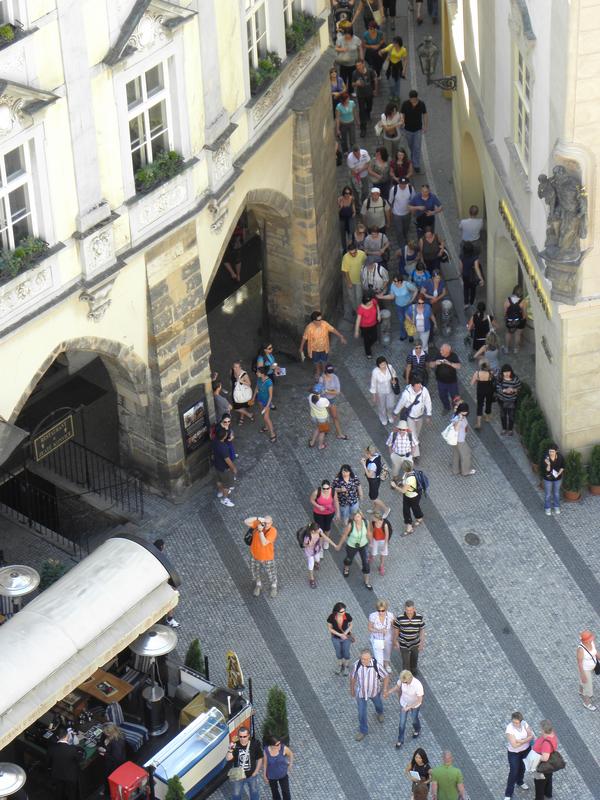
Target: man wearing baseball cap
376 211
399 198
358 161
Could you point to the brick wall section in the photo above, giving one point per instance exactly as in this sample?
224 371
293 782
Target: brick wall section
178 348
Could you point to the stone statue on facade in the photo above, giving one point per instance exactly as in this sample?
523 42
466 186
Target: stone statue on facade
567 215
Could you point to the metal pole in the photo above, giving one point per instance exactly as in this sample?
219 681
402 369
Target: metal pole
250 698
206 668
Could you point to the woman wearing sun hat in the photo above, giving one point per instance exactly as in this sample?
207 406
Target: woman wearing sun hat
587 659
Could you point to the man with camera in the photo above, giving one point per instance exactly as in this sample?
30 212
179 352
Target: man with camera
246 758
262 552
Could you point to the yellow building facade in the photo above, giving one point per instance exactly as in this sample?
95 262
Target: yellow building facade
527 102
91 94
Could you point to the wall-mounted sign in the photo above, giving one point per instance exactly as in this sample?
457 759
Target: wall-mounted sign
52 438
525 259
193 417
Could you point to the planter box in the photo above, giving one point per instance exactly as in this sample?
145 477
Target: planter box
30 289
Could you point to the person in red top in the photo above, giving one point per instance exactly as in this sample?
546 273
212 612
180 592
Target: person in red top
262 552
545 745
367 319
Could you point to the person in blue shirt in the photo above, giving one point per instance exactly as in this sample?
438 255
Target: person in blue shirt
421 316
403 293
419 276
425 206
263 393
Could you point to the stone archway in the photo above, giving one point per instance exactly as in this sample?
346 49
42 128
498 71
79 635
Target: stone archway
471 183
129 377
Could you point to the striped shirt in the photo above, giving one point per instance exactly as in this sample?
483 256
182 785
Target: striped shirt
367 679
409 630
507 390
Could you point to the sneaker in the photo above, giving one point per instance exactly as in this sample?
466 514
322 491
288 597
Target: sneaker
523 786
557 511
219 494
172 622
471 472
312 584
257 589
225 501
359 736
398 745
548 512
590 706
379 717
273 592
416 735
516 350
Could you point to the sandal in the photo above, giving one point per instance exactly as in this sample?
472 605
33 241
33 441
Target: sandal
369 587
273 438
240 422
342 437
311 444
418 521
408 532
264 430
322 446
346 572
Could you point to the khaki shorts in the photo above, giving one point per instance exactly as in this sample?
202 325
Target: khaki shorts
224 478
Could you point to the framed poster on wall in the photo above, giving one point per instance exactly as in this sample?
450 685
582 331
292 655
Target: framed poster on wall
193 417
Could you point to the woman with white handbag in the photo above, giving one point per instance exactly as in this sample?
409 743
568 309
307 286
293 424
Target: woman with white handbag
461 461
241 392
380 630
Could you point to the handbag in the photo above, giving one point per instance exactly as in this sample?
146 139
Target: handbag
597 665
378 128
410 327
553 764
377 15
385 473
395 382
450 434
248 536
242 393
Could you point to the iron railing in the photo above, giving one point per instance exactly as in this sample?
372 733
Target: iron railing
98 475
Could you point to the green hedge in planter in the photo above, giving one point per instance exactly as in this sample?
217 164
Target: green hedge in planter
51 571
574 474
194 658
537 431
7 33
26 253
594 466
268 69
175 790
165 166
302 28
525 406
276 720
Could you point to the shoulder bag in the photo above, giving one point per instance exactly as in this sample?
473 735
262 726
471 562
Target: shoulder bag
395 382
597 664
248 536
377 15
242 393
555 763
450 434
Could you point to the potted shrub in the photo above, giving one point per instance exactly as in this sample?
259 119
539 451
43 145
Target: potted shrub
175 789
165 166
525 407
594 470
7 33
276 720
194 658
51 571
537 431
574 476
26 253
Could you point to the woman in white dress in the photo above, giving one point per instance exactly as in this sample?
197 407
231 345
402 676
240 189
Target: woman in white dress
380 630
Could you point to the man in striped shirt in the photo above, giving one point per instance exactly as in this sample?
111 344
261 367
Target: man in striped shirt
410 636
366 679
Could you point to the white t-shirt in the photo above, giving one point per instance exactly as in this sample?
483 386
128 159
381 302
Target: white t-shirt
519 732
470 229
361 162
589 661
400 202
411 692
318 410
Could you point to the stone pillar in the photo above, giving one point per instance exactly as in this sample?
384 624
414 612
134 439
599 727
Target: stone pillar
178 350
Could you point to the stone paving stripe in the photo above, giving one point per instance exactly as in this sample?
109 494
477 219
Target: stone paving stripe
489 610
324 732
573 562
435 717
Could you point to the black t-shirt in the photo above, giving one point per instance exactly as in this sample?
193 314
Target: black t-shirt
368 77
220 453
413 115
331 619
555 466
444 373
247 757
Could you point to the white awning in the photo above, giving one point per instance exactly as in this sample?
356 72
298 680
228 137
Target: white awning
92 613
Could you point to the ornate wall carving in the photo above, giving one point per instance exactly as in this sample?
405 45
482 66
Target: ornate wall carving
149 32
98 300
25 291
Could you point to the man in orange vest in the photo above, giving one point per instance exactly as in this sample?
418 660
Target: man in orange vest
262 552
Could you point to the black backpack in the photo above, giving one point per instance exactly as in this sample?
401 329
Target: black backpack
514 315
374 665
301 534
390 528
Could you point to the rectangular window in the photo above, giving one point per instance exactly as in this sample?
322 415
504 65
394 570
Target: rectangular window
256 30
148 113
7 12
289 6
522 111
16 197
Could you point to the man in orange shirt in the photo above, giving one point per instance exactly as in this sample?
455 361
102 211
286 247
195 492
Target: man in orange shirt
316 336
262 552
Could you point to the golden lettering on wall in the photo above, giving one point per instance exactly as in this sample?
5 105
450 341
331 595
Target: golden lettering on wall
525 259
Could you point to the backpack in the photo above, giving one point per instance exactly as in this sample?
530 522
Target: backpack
390 528
514 315
422 481
358 665
301 536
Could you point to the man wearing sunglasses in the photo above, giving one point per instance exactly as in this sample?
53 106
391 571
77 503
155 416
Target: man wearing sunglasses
246 759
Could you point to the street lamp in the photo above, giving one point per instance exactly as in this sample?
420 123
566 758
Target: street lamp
428 53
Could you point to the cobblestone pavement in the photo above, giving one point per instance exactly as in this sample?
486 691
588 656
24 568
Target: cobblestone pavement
502 617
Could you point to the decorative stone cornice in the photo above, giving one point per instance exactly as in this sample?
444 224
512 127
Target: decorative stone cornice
147 26
18 104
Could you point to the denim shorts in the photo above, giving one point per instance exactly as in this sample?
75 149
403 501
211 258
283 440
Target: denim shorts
319 356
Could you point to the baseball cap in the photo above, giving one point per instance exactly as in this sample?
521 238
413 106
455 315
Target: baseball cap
317 388
402 425
372 259
375 190
330 368
403 180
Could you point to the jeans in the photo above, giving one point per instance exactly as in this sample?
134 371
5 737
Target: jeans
410 658
432 8
516 771
347 511
507 416
362 711
413 139
446 392
552 494
341 647
347 228
401 312
416 723
252 784
347 136
469 290
284 783
363 552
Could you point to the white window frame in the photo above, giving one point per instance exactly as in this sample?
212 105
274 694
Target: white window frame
289 6
28 178
142 108
8 11
252 9
522 92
